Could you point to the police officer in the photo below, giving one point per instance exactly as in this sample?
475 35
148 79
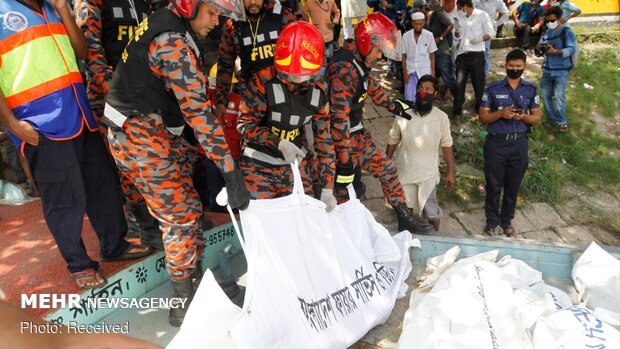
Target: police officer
509 107
253 40
349 80
273 122
107 27
157 90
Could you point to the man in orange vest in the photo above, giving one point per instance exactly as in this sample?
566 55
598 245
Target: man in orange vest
43 104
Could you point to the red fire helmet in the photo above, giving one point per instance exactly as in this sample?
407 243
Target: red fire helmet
376 30
299 50
229 8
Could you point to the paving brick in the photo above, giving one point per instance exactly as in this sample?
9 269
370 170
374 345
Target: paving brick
576 234
473 221
450 225
543 235
381 211
521 223
543 216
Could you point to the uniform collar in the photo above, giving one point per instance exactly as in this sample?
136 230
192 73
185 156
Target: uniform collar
349 45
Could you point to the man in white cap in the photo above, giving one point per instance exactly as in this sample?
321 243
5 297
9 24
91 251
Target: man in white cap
418 54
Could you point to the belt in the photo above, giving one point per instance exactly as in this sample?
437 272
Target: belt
506 136
472 53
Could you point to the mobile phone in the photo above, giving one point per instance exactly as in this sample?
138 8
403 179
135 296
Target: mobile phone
517 110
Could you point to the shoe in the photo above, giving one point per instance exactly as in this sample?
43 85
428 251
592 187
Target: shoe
406 221
435 223
180 289
509 231
140 251
197 276
563 128
489 231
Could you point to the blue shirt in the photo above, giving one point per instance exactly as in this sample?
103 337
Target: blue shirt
497 96
555 65
527 15
568 8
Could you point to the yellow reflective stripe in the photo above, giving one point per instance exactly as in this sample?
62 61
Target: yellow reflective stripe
345 179
34 63
285 62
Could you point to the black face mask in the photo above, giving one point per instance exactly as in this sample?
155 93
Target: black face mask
514 73
424 102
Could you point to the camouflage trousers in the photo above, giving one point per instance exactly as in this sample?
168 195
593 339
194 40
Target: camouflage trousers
369 157
272 181
159 164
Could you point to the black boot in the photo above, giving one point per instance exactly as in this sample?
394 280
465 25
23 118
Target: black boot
197 276
180 289
230 288
406 221
138 216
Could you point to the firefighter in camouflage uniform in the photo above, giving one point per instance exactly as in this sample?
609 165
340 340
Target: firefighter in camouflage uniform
253 40
349 81
107 26
277 105
157 90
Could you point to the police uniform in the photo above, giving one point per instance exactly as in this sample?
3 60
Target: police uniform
282 113
505 149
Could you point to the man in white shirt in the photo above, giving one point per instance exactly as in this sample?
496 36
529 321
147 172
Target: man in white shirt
417 160
472 30
492 8
418 54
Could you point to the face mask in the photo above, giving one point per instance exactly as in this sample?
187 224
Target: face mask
552 25
514 73
424 102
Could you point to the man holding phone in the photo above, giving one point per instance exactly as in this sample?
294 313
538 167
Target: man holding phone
509 107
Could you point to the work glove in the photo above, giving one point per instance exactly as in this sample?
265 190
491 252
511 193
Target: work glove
238 194
290 151
403 108
345 173
328 198
475 41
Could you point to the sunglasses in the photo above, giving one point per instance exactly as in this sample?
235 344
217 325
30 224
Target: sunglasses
549 21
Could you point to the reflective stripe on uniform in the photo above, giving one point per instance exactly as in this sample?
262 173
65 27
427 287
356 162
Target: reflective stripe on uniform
278 94
266 158
316 95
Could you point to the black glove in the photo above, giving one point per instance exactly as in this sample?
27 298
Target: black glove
401 107
238 194
345 173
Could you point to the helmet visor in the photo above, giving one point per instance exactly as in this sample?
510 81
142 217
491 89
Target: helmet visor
297 79
390 44
229 8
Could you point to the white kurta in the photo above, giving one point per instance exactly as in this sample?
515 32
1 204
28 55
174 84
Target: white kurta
417 157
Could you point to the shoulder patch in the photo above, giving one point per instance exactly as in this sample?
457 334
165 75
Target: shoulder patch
15 21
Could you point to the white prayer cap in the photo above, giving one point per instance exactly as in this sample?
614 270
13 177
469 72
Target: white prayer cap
417 16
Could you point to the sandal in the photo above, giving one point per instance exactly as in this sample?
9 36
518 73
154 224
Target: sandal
83 277
141 252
